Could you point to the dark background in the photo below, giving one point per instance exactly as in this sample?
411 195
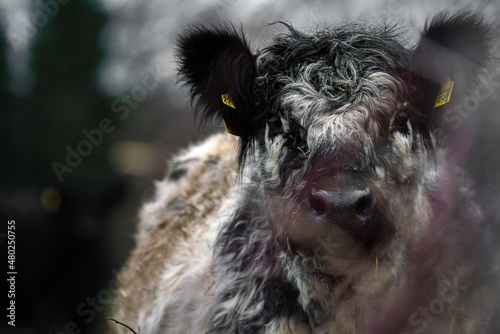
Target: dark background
66 67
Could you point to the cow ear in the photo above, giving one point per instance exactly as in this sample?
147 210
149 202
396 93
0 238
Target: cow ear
217 65
447 63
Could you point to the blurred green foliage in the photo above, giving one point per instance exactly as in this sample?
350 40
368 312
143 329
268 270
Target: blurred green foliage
65 229
65 100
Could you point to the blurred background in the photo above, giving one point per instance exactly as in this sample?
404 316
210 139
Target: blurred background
90 112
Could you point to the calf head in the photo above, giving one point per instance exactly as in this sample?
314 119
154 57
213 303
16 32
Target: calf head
342 134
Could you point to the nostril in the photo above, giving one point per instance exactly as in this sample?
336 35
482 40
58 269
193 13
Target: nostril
342 205
317 205
364 206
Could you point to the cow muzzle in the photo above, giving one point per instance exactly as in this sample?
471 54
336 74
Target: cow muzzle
342 212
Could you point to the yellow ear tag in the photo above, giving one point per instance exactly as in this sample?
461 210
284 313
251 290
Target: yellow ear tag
227 99
230 129
444 94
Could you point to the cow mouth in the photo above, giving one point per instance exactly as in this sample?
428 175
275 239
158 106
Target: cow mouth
338 279
336 242
334 256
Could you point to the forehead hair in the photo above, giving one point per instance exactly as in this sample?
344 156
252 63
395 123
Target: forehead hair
343 55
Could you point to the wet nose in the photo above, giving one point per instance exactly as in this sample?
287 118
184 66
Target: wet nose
349 208
345 208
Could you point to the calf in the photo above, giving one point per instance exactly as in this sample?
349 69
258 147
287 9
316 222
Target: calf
337 206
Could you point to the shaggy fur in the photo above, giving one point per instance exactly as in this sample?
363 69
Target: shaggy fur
340 209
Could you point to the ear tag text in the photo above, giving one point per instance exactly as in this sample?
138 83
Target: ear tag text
444 94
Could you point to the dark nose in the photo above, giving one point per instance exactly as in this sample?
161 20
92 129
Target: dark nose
345 201
349 208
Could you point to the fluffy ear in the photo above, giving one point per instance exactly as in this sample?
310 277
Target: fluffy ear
218 66
447 62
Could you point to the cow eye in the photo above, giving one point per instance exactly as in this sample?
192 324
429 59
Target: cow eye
401 120
275 125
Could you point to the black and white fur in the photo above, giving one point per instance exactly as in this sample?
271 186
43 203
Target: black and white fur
344 107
